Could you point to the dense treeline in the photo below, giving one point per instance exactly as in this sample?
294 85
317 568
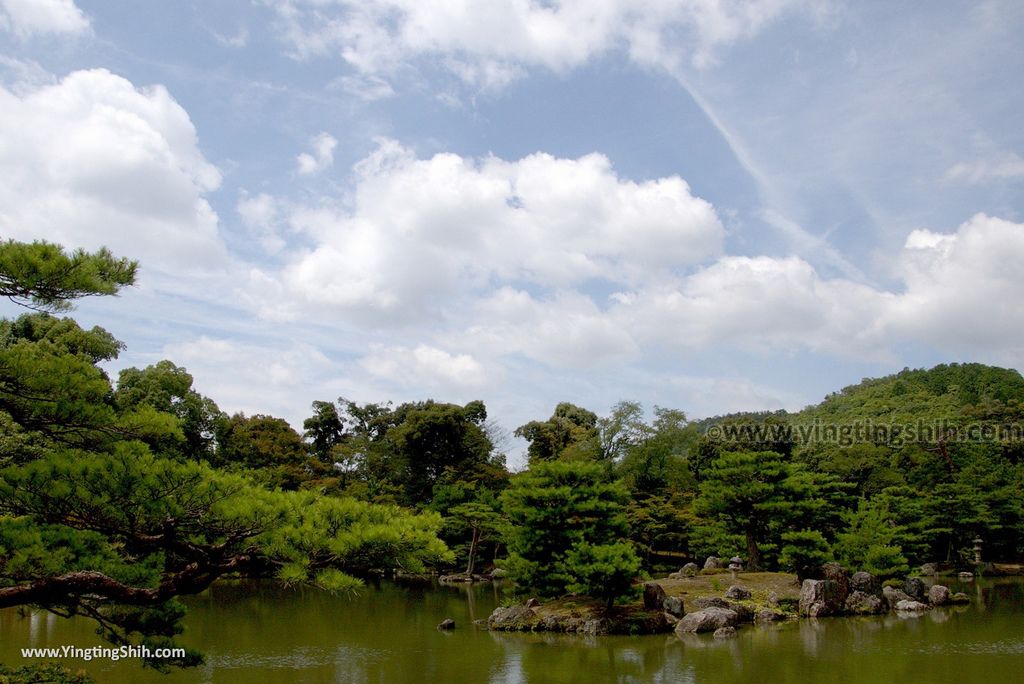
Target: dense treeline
117 497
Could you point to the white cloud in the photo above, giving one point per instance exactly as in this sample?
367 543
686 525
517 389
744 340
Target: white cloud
260 215
419 232
322 157
486 44
93 160
276 378
426 367
26 18
365 87
1006 166
965 290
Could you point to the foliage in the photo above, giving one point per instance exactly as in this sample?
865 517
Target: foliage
42 276
803 551
564 516
569 427
44 673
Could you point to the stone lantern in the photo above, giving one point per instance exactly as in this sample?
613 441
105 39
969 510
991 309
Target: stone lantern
977 550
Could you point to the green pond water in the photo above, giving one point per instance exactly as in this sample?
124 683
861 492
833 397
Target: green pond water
257 632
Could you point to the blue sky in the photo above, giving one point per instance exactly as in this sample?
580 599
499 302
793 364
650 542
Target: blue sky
710 205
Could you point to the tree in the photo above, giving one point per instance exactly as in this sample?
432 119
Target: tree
168 389
568 531
41 276
568 427
94 523
324 430
481 520
747 492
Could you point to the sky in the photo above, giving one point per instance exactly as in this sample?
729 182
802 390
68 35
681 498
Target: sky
708 205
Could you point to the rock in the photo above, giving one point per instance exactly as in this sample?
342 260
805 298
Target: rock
725 632
837 573
959 598
938 595
773 599
712 563
675 575
498 573
532 603
673 605
654 595
861 603
743 612
711 602
671 619
596 627
689 570
819 598
915 589
768 615
865 582
446 624
892 596
929 570
911 606
737 593
551 623
707 620
512 618
966 576
480 624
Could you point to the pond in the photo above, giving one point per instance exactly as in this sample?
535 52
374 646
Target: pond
259 632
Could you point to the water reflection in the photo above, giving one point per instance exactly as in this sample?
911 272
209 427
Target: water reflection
259 632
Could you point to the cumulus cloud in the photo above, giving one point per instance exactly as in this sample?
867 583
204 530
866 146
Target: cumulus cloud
228 370
27 18
260 215
322 156
425 366
419 232
486 44
964 289
93 160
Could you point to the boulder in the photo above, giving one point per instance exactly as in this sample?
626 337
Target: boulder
447 624
512 618
959 598
911 606
710 602
768 615
861 603
892 596
671 619
835 572
743 612
673 605
712 563
532 603
938 595
707 620
597 627
773 599
965 576
725 632
654 596
914 588
929 570
689 570
737 593
865 582
675 575
480 624
819 598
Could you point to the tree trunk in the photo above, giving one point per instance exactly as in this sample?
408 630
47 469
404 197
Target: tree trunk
472 551
753 553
